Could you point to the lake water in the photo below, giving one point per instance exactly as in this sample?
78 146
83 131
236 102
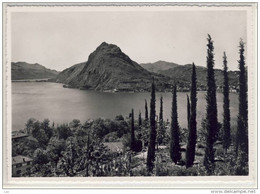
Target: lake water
42 100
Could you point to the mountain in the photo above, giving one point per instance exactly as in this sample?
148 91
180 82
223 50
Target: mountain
109 68
157 66
182 74
23 70
67 75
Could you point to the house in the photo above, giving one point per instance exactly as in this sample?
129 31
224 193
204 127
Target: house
20 164
16 135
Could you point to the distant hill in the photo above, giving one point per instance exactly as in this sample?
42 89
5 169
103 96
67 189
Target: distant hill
182 75
23 70
158 66
109 68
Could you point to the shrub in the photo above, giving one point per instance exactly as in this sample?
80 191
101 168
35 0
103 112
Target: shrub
138 146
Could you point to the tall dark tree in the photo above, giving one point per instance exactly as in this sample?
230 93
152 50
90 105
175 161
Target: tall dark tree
226 114
242 120
175 150
188 112
161 131
152 142
161 109
211 110
190 151
146 111
140 119
132 144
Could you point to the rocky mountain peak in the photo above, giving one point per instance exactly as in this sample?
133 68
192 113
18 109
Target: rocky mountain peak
105 50
108 48
108 68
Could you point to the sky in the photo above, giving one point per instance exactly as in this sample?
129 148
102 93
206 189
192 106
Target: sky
59 40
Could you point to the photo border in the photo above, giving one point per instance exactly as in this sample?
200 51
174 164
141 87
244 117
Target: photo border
132 182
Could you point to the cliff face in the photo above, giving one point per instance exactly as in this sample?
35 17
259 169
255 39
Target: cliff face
23 70
109 68
68 74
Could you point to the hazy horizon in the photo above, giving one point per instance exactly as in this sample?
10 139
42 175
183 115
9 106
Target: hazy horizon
58 40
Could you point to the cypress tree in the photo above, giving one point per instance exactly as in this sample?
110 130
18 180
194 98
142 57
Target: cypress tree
175 150
190 151
226 114
151 146
161 132
211 110
161 109
188 112
132 144
146 111
242 121
140 119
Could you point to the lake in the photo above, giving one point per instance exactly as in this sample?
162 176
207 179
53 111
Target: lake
42 100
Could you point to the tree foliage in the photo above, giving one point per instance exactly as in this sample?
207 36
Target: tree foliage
140 119
64 131
226 114
132 143
29 125
146 111
242 120
188 112
161 110
192 126
161 131
211 110
175 150
151 147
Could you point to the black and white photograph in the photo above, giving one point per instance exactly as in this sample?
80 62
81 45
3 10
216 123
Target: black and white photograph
160 94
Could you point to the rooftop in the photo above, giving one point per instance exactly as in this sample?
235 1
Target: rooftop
20 159
18 134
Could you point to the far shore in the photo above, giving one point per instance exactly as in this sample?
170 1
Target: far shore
32 80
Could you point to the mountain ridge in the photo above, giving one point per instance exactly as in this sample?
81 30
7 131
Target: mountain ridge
158 65
182 74
22 70
109 68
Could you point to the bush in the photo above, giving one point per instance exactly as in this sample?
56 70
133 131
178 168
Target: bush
75 123
138 146
187 172
111 137
119 118
64 132
40 157
25 146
